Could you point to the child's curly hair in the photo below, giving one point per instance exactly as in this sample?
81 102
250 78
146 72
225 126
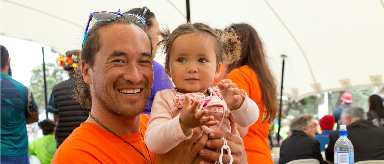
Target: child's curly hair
228 47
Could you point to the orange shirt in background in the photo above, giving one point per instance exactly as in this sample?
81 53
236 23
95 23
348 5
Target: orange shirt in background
222 72
91 144
256 145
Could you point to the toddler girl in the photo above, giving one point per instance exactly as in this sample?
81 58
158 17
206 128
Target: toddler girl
194 54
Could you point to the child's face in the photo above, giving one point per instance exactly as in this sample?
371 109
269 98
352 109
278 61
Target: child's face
192 62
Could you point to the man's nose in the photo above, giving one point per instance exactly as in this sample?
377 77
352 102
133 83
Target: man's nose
132 73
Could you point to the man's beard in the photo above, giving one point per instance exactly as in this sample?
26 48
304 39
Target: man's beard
112 107
9 71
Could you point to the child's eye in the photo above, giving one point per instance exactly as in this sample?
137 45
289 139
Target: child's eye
203 60
181 60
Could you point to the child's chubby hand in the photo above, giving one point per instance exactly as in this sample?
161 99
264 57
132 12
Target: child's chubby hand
192 117
231 94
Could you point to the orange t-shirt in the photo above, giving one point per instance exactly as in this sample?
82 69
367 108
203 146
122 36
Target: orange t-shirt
256 145
91 144
222 72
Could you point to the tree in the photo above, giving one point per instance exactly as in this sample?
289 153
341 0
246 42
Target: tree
54 74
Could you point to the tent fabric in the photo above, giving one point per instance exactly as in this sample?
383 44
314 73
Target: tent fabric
330 45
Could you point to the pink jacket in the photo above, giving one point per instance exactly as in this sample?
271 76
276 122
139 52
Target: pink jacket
164 131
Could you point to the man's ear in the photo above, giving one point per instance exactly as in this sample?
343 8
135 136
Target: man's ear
348 119
218 70
9 62
85 70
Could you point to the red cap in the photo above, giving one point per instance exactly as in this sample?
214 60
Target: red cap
326 122
346 97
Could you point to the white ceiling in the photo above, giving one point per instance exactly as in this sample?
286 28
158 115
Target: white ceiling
334 45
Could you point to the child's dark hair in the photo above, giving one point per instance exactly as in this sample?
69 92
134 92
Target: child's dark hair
47 126
227 46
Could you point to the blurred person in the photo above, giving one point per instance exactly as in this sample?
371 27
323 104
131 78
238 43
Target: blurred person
160 79
301 144
45 147
375 113
68 113
116 71
326 125
18 108
346 101
367 139
251 73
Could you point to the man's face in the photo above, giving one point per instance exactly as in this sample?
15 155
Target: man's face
121 77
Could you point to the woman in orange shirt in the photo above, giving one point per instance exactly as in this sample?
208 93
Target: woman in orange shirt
252 74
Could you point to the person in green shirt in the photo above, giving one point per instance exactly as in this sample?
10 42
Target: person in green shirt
45 147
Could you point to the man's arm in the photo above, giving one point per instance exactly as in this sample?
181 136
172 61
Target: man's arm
32 117
32 113
184 152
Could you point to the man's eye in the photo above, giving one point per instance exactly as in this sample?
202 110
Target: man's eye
203 60
181 60
145 61
118 61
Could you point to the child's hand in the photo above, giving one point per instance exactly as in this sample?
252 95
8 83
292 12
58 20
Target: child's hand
231 94
191 116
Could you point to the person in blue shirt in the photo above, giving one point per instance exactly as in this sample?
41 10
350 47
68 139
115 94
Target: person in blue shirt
346 101
161 80
18 108
326 125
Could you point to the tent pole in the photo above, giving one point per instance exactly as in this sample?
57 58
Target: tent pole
45 85
281 97
188 11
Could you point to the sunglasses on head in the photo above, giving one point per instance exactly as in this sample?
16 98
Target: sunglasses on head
111 16
145 10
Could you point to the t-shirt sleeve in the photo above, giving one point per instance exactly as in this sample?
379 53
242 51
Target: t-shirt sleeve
247 114
52 106
164 132
33 105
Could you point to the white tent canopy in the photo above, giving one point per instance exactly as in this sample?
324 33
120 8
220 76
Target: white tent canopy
331 45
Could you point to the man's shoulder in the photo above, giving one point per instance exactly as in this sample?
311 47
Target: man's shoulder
9 82
79 140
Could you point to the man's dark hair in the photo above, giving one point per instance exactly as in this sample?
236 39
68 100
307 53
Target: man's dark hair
47 126
4 56
92 42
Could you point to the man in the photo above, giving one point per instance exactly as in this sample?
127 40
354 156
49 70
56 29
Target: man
117 66
346 101
68 113
301 144
45 147
18 108
367 139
